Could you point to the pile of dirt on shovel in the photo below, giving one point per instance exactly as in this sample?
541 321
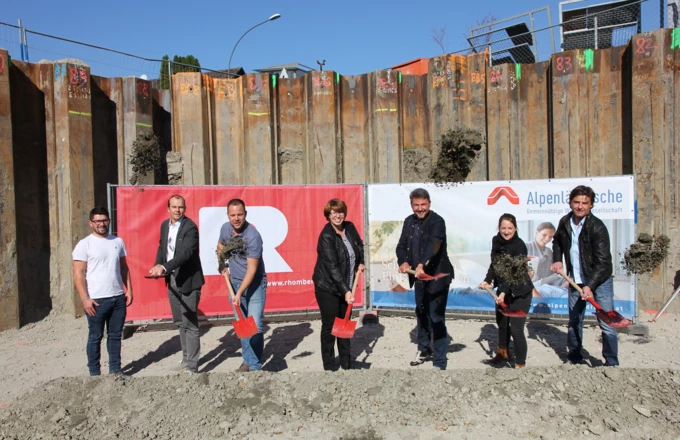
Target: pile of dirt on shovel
546 403
457 154
513 270
646 254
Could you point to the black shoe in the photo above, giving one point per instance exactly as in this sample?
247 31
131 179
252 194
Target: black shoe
422 357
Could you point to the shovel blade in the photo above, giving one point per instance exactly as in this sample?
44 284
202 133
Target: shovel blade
245 328
512 313
426 277
613 318
343 328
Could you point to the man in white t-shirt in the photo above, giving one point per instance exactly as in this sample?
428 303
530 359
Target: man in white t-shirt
99 268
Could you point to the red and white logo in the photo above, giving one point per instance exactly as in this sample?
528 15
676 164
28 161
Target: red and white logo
502 191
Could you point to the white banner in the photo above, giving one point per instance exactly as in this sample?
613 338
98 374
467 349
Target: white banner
471 211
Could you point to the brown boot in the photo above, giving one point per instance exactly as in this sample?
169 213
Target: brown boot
520 365
501 355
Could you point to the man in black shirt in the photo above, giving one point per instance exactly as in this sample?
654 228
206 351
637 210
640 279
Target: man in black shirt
422 248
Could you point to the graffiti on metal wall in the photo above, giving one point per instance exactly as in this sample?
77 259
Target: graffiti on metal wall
386 85
321 84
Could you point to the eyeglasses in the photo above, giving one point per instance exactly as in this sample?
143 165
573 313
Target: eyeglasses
336 214
99 222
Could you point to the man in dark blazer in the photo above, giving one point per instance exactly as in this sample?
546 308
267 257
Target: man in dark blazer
177 259
422 248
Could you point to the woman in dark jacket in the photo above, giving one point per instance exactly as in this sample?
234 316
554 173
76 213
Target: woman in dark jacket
515 296
340 257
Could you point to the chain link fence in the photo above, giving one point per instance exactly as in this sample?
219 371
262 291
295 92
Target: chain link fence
531 37
101 60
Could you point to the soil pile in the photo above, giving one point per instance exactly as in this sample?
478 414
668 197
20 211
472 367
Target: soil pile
458 150
646 254
513 270
546 403
145 157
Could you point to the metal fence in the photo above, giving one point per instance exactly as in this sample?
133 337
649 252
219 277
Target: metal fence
101 60
531 37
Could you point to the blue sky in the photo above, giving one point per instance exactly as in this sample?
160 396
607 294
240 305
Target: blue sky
353 36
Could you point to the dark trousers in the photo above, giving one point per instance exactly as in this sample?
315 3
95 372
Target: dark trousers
184 307
514 326
110 313
430 315
332 307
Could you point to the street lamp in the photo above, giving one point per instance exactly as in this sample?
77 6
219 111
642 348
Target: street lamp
272 18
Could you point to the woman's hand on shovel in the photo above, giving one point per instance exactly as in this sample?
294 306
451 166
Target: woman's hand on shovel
500 298
349 297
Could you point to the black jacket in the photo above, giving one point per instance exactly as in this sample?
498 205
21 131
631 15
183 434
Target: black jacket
515 247
433 254
594 249
331 270
186 262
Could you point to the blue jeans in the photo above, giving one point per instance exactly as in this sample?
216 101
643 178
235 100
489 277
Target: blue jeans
604 296
110 313
252 304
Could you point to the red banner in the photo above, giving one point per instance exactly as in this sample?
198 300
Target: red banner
289 218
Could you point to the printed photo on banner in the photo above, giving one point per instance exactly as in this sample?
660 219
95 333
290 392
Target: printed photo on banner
471 212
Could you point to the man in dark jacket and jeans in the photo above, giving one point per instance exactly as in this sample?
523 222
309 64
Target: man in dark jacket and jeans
422 248
583 240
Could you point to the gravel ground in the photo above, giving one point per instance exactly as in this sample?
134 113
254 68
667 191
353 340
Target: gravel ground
45 391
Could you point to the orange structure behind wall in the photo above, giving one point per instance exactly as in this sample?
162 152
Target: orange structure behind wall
413 67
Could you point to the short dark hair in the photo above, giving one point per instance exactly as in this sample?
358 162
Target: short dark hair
509 217
545 225
177 196
336 205
236 202
99 210
419 193
582 190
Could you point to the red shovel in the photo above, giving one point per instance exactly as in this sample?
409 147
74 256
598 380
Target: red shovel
425 277
244 327
344 328
503 308
612 317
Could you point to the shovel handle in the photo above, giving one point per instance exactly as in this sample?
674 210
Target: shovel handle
232 294
413 272
348 313
578 288
502 305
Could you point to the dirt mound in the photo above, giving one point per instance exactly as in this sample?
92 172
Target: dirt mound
514 270
646 254
457 154
547 403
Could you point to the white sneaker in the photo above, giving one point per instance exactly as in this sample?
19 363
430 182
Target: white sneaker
422 357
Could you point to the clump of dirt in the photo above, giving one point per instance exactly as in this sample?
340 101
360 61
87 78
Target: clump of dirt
512 270
457 154
290 155
417 164
235 246
145 157
646 254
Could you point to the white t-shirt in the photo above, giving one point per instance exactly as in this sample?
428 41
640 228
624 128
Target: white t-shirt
102 256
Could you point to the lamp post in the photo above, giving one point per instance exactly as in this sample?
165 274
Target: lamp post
272 18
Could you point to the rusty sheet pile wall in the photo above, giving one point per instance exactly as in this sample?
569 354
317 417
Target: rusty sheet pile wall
65 134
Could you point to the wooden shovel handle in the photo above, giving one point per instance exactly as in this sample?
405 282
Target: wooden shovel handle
578 288
227 278
502 305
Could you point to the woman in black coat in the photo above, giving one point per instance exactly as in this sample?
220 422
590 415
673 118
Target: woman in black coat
340 257
515 296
